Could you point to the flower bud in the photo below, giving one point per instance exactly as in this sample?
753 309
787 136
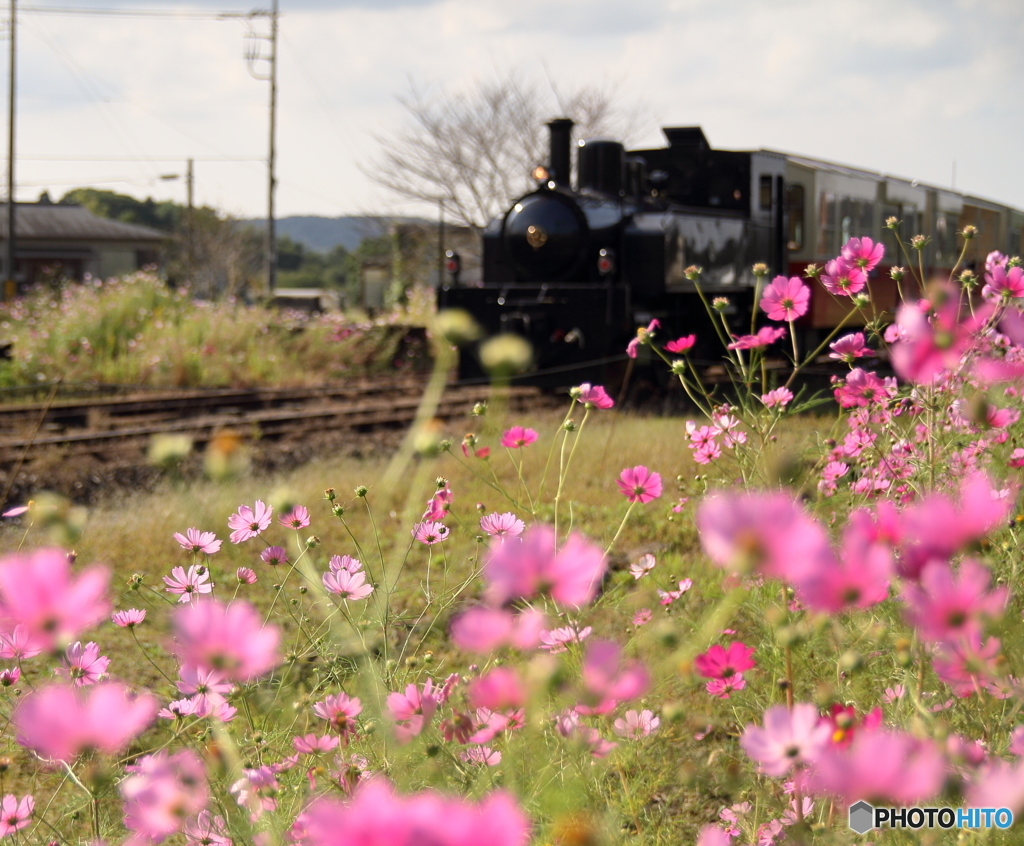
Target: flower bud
506 355
362 491
812 271
897 274
678 367
919 242
312 542
720 303
969 231
329 495
760 269
892 223
457 327
692 273
480 409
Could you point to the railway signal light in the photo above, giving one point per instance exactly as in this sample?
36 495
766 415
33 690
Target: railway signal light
606 262
452 264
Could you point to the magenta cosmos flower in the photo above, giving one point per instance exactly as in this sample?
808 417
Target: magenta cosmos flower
843 278
863 253
786 299
570 575
297 518
681 345
38 594
638 484
340 710
484 629
161 792
1003 284
947 606
787 738
249 523
231 639
412 711
594 396
765 336
517 437
608 678
720 663
58 722
850 347
634 724
83 665
196 541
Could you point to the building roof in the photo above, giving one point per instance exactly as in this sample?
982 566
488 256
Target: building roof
50 221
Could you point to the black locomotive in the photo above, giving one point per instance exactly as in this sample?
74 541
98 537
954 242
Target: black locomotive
576 270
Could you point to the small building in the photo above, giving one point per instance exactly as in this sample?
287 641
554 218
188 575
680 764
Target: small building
52 241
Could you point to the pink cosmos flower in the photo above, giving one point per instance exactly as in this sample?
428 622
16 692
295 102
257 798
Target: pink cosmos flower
862 388
38 595
297 518
780 397
249 523
15 815
882 766
844 724
595 396
608 678
765 336
945 606
345 562
712 835
257 791
58 722
571 575
681 345
859 579
202 682
517 437
765 532
1002 284
998 784
229 638
205 829
720 663
641 568
786 299
128 619
275 556
635 725
430 533
482 755
842 278
499 689
18 644
969 664
642 337
161 791
340 710
638 484
83 665
722 688
9 676
310 744
376 815
177 709
502 525
485 630
667 597
189 585
1016 458
850 347
413 710
245 576
787 738
347 585
929 346
195 541
558 640
863 252
642 617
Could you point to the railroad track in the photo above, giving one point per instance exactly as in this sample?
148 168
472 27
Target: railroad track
100 426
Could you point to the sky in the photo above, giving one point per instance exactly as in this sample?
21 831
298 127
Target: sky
923 89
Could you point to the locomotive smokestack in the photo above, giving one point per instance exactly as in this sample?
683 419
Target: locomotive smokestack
561 139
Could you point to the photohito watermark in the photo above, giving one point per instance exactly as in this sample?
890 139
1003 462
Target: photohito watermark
865 817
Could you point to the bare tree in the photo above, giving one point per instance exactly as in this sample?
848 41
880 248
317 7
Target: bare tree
473 152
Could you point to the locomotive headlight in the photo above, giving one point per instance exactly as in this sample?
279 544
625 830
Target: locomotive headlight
541 174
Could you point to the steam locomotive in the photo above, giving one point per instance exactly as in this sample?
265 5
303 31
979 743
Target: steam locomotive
575 268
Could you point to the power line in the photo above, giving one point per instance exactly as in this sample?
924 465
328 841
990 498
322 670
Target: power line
143 159
189 14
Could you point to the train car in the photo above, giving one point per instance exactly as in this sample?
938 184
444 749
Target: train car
576 265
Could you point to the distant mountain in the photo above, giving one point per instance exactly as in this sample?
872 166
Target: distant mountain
323 234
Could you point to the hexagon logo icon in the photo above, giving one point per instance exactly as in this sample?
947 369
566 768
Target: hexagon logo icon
862 817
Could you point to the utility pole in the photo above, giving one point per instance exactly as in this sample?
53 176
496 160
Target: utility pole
252 55
10 283
271 181
190 222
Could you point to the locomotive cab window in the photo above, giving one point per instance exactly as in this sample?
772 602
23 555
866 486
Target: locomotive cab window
795 211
